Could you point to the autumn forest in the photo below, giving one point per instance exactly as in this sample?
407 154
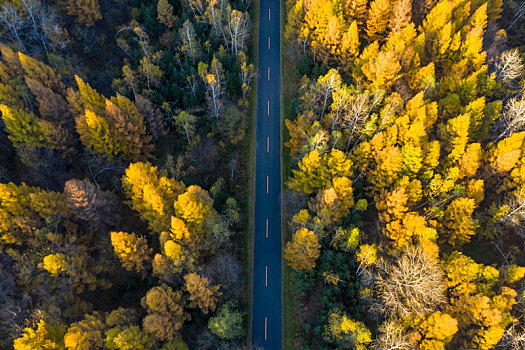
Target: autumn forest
405 195
124 136
127 174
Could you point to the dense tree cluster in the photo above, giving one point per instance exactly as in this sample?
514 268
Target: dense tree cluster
408 135
123 173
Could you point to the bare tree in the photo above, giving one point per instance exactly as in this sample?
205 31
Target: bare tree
515 215
513 117
413 285
391 337
13 21
509 66
513 338
44 25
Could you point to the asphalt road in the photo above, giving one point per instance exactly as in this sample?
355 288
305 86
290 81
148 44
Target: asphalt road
266 315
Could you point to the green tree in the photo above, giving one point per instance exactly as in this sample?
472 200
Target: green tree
227 323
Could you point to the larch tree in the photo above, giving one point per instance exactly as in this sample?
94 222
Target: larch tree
44 336
132 250
151 195
379 17
303 250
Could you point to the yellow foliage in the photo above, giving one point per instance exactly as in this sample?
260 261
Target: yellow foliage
55 263
303 250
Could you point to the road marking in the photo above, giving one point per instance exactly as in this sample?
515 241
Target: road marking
268 14
266 228
266 281
268 73
268 144
268 107
267 183
268 43
265 328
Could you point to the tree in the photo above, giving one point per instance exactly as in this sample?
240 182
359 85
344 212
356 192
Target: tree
132 250
86 334
13 20
195 206
316 172
151 195
345 332
401 15
214 80
129 338
237 31
23 127
383 71
247 73
54 263
391 336
153 116
45 336
186 122
90 204
437 330
86 11
202 294
459 222
413 285
379 16
510 66
190 45
165 312
165 13
227 323
44 24
303 250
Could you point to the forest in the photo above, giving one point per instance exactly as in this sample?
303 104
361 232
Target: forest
405 184
124 171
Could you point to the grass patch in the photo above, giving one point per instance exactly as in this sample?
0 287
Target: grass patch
289 86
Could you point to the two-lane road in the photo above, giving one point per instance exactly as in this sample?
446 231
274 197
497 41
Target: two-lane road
266 315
